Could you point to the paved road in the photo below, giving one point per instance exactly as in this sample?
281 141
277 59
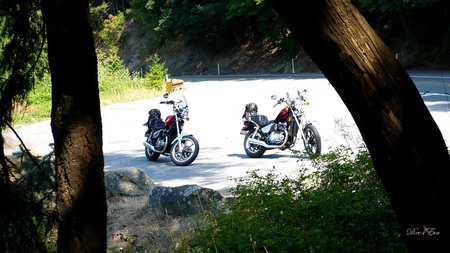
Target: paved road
216 107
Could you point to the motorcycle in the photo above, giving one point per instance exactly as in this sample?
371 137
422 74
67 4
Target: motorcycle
281 133
167 137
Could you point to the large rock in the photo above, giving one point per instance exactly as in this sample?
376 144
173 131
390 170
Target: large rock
183 200
127 182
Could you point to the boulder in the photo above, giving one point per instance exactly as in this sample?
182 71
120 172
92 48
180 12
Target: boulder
127 182
183 200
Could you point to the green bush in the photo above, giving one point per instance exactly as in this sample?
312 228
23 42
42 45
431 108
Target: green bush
115 85
156 74
338 205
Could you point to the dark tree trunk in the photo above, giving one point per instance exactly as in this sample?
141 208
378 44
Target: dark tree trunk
76 126
406 145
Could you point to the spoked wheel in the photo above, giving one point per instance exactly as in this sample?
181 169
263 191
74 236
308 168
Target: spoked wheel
313 144
188 154
253 150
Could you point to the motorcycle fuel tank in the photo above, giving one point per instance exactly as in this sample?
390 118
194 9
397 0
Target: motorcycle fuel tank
283 115
169 120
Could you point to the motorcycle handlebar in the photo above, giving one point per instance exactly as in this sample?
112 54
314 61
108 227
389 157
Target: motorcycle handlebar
170 102
281 100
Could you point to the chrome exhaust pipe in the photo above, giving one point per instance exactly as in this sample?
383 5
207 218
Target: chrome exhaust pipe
263 144
148 145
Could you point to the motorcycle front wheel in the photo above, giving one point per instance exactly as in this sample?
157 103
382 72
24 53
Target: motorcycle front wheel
188 154
313 144
253 150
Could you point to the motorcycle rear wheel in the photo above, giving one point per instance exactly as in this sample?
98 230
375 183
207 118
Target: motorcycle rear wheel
313 144
188 154
151 156
253 150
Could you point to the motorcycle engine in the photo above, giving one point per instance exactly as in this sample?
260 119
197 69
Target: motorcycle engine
158 139
160 142
276 137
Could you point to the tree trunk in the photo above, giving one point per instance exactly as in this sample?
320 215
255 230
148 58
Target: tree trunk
406 145
76 127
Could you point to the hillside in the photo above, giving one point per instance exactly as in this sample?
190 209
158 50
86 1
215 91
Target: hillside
252 57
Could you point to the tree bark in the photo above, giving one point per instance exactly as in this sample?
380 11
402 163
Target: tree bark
76 126
406 145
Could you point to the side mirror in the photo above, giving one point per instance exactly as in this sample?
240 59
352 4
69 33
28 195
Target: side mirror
303 92
166 95
273 97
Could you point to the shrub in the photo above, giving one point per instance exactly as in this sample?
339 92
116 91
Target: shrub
156 74
338 205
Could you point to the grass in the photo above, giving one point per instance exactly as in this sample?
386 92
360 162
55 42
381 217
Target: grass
35 113
129 96
134 227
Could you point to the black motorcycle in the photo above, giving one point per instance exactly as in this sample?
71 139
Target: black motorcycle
167 137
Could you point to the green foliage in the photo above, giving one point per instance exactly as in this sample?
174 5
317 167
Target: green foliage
262 19
394 6
28 217
195 20
221 23
107 35
115 85
37 104
148 14
224 24
112 76
339 205
156 74
98 14
21 48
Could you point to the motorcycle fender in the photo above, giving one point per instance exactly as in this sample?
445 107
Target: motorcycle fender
247 127
182 135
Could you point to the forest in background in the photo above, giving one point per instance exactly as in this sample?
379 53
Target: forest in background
192 37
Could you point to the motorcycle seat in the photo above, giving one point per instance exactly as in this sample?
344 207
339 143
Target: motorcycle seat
261 120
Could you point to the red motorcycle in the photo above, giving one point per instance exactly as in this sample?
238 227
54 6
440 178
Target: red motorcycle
281 133
167 137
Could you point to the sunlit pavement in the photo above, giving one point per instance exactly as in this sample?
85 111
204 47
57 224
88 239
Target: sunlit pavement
216 108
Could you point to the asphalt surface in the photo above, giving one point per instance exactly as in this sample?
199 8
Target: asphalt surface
216 107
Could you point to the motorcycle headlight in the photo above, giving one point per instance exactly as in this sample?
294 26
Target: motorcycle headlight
185 113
